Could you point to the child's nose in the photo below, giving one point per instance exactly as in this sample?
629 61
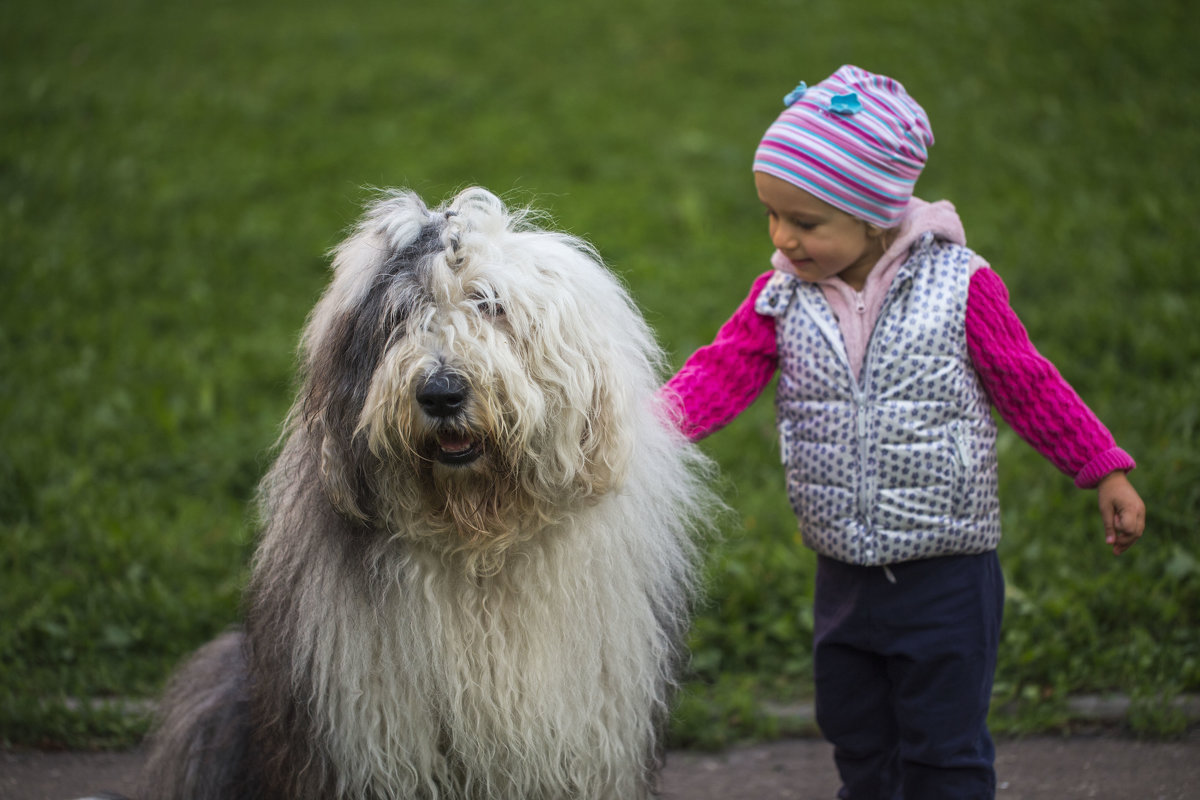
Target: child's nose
784 238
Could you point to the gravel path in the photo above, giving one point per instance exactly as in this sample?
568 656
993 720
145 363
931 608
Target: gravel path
1104 767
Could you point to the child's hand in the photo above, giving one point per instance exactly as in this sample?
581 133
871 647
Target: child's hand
1123 511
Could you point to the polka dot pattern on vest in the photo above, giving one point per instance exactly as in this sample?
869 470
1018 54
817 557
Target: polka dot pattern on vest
900 463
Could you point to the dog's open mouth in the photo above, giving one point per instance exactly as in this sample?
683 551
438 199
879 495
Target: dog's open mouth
456 448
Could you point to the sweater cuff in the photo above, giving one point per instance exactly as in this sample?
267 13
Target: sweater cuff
1110 460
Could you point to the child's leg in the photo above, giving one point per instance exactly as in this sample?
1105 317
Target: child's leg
945 630
854 713
853 691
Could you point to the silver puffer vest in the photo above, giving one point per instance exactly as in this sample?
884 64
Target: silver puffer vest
900 462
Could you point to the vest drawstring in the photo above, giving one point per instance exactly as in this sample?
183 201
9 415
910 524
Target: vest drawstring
887 571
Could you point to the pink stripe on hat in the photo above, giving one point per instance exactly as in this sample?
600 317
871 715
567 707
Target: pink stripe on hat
856 140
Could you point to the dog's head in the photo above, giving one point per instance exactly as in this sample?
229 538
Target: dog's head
468 372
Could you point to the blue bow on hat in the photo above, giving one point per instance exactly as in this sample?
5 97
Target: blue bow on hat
795 94
845 104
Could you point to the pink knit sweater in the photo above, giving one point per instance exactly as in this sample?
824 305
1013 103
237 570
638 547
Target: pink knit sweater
722 379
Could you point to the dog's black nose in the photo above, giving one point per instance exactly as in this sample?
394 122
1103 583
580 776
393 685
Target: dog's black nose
443 394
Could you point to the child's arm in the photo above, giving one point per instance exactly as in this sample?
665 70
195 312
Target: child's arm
1032 396
720 380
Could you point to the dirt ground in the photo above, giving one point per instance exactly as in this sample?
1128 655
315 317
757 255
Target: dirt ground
1102 767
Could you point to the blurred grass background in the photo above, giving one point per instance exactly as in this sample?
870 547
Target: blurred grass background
172 176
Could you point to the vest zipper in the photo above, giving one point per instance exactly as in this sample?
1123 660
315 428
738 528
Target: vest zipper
861 390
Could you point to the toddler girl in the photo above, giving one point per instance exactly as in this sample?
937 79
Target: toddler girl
893 341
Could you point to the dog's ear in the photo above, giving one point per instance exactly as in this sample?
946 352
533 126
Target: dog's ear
343 345
607 443
331 402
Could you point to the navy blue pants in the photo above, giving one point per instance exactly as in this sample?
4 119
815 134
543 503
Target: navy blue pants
904 675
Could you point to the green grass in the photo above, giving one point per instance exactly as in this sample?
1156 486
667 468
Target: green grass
172 175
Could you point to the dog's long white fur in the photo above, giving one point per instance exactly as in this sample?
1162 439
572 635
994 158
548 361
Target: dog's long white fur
504 629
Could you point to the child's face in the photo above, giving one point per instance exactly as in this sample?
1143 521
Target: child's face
821 241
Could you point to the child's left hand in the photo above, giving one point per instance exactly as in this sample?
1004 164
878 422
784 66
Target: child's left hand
1123 511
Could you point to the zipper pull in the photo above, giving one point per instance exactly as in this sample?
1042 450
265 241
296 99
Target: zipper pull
860 303
960 444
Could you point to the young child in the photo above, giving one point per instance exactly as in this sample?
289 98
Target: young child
893 341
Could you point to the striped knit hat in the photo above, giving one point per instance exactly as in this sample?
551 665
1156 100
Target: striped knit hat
856 140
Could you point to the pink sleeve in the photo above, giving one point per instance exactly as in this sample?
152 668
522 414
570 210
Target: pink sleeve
1029 392
722 379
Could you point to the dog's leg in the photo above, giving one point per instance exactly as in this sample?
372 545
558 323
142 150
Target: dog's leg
198 750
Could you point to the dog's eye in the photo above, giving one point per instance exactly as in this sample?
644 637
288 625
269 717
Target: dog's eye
489 305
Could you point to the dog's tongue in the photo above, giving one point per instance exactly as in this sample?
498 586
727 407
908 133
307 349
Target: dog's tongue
454 442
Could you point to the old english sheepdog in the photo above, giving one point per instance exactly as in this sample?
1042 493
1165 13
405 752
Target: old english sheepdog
479 543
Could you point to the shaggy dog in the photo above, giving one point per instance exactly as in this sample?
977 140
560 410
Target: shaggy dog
478 550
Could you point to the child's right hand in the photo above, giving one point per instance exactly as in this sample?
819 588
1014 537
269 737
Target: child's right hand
1123 511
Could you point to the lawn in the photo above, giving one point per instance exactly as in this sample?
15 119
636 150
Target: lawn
173 175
